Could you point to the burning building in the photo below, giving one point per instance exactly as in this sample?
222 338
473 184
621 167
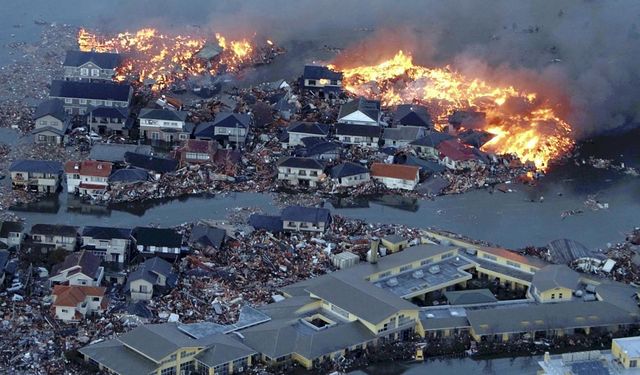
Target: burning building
159 60
519 122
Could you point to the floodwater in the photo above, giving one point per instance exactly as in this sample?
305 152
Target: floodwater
502 366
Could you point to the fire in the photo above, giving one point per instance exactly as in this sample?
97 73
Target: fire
160 59
533 133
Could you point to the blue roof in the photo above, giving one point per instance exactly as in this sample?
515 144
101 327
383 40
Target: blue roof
90 90
106 233
347 169
306 214
129 175
322 147
309 128
232 120
42 166
204 129
269 223
151 163
101 59
110 112
320 72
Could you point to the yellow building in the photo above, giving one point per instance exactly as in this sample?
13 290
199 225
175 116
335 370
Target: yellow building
626 351
394 243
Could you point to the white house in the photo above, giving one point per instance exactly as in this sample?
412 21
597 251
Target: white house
403 135
163 125
359 135
107 243
300 171
72 303
349 174
90 66
321 79
299 130
305 219
360 111
396 176
158 241
54 235
154 274
51 123
87 177
79 268
11 233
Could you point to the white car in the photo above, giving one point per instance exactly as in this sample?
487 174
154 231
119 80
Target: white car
95 136
17 298
15 287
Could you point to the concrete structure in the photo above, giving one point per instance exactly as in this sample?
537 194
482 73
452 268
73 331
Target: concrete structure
153 276
345 259
90 66
394 243
554 283
305 219
51 123
81 268
349 174
396 176
163 125
72 303
36 175
87 177
53 236
626 351
79 97
107 243
300 171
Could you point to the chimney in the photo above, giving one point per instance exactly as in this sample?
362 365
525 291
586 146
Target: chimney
373 253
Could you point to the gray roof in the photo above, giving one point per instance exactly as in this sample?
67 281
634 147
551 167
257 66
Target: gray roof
90 90
87 262
470 297
129 175
117 357
306 163
114 152
10 227
223 349
36 166
309 128
358 130
232 120
157 341
106 233
555 276
547 316
101 59
207 236
412 114
347 169
51 107
54 229
320 72
432 139
371 108
163 114
306 214
403 133
565 251
394 238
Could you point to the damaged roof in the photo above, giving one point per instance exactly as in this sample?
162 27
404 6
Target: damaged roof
207 235
151 163
320 72
399 171
432 139
306 214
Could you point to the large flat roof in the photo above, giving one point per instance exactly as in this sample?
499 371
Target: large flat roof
630 345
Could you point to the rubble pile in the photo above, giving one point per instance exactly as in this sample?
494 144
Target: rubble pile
609 164
627 257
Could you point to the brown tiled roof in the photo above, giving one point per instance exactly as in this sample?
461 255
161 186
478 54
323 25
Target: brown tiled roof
511 255
84 185
89 168
72 295
405 172
199 145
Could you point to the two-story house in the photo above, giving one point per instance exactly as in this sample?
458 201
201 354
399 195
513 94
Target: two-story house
36 175
360 111
53 236
299 130
87 177
300 171
396 176
196 151
321 79
108 243
51 123
80 96
456 155
403 135
164 125
72 303
11 234
110 120
153 276
427 147
228 128
305 219
164 242
154 164
90 66
412 115
359 135
349 174
78 268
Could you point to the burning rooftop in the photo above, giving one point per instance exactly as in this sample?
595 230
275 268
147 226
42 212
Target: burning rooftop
533 131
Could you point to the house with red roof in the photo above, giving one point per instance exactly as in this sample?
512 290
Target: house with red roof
72 303
196 151
456 155
396 176
87 177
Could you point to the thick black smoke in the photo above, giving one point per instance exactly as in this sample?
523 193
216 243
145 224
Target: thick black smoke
585 51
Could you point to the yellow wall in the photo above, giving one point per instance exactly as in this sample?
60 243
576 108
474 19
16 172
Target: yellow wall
414 265
546 295
394 247
618 352
525 267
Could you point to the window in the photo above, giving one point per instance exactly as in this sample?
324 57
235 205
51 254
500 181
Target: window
633 363
108 103
83 101
560 295
553 296
490 257
334 82
405 268
81 111
426 261
183 136
67 100
447 255
84 71
384 274
513 264
339 311
312 82
143 289
42 137
95 299
95 72
188 367
169 371
64 311
155 135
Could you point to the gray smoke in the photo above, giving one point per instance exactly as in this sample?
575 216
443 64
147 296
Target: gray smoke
583 55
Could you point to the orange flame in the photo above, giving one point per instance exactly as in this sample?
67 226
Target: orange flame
164 59
534 134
